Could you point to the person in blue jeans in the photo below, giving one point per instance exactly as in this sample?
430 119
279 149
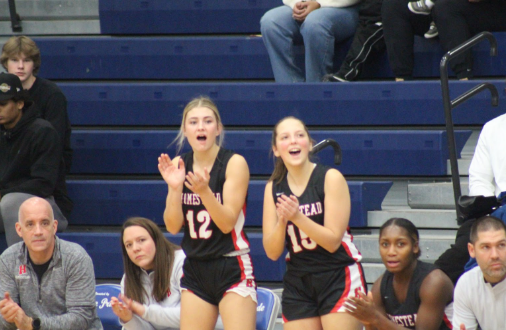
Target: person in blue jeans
318 24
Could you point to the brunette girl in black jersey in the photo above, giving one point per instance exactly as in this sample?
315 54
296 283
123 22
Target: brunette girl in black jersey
307 208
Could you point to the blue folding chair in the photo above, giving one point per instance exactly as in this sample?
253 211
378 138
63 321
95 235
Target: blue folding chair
103 295
267 309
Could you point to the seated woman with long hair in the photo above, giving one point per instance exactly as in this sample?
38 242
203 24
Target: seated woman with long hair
151 293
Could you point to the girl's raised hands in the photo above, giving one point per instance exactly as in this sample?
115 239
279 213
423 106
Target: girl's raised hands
173 174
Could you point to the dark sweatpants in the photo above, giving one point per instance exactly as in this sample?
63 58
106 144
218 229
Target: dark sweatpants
400 27
459 20
367 42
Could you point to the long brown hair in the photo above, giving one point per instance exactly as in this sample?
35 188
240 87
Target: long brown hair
279 166
162 263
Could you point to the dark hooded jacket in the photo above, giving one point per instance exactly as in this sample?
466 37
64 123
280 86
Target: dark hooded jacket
31 160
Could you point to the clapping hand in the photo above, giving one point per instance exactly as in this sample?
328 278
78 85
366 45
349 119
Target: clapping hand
173 174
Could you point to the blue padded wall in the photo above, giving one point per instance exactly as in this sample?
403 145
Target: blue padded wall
421 153
111 202
260 104
214 57
182 16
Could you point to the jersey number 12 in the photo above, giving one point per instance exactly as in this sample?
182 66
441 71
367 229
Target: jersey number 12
205 219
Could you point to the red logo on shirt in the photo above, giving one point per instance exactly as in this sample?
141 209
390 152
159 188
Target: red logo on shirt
168 293
22 269
249 283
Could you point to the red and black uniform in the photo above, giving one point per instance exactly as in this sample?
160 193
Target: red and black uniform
404 314
215 261
316 281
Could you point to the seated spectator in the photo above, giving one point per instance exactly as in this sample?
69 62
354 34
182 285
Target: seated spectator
21 56
411 294
31 162
151 292
400 26
47 283
456 21
487 172
368 42
318 24
480 294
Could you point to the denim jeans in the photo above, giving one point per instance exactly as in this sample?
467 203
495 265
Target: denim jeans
319 32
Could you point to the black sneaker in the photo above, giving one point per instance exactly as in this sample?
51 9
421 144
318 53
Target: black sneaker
419 7
333 77
432 33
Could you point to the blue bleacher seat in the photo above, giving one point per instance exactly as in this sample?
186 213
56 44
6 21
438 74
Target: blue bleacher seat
214 57
418 153
182 16
111 202
267 309
263 104
103 295
105 250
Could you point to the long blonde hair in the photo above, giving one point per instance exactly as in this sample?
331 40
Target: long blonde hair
201 101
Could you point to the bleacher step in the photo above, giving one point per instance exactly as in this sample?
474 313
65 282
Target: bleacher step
463 164
434 195
52 17
444 219
36 9
53 27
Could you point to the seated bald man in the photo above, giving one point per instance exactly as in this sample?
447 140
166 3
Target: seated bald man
46 282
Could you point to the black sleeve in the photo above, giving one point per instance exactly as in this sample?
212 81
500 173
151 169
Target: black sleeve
45 157
453 260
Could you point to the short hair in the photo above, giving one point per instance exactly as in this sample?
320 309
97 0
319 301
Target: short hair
408 226
205 102
21 45
50 208
485 223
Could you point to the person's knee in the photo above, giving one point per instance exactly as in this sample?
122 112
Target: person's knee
314 27
268 20
9 205
392 8
443 8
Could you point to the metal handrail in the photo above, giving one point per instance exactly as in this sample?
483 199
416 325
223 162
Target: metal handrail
15 21
449 104
338 155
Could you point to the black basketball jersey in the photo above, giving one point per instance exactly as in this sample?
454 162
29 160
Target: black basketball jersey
202 238
304 255
405 314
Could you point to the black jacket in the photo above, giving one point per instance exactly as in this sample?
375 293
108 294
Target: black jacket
52 105
31 160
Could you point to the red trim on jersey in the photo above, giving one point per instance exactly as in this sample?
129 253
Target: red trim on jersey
241 265
347 249
447 322
234 231
346 292
284 318
348 231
